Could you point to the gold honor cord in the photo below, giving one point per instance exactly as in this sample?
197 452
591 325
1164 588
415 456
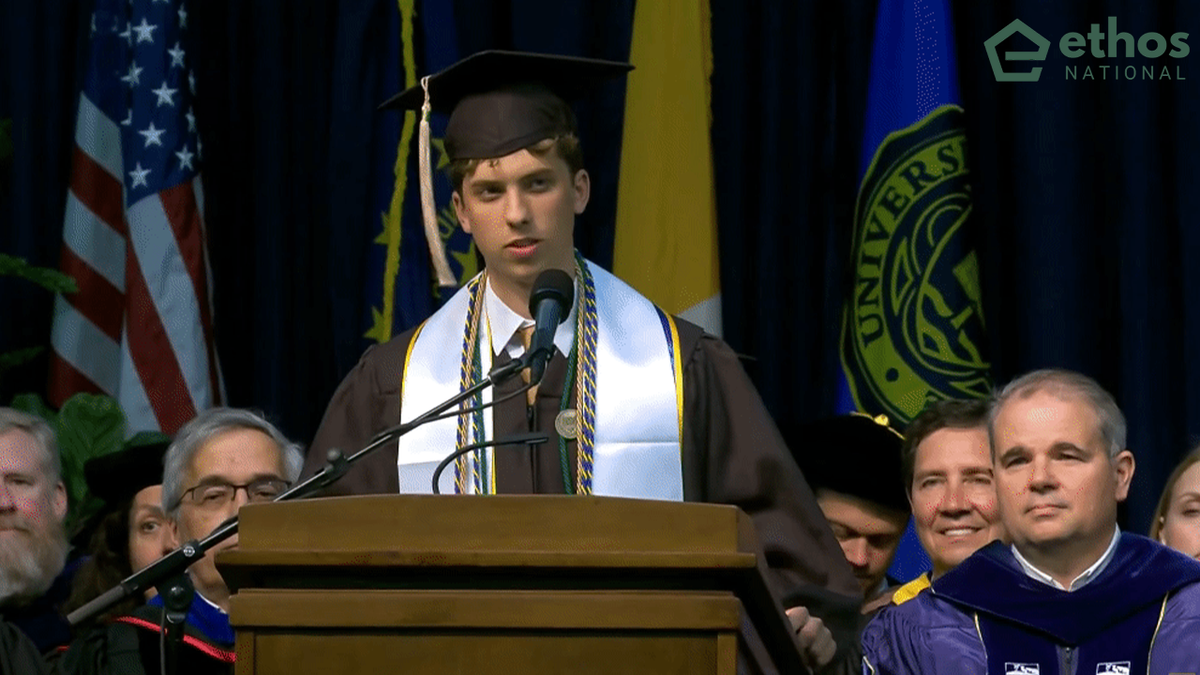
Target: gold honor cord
470 365
581 377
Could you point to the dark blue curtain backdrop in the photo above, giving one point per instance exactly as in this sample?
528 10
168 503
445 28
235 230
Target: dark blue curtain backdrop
1087 212
1085 201
42 48
789 94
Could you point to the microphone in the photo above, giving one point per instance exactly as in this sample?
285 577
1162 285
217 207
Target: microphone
518 439
549 303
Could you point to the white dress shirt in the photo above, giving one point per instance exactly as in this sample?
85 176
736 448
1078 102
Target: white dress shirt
1080 581
504 325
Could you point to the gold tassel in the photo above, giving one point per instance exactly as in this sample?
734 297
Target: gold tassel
437 248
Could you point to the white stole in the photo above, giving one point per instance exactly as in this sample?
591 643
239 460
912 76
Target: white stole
639 396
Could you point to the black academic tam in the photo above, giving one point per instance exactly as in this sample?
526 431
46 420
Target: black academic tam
500 101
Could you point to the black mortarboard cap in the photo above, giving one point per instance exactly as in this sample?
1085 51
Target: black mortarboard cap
500 101
854 454
120 475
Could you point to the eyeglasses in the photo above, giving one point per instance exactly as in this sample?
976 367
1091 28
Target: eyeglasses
212 496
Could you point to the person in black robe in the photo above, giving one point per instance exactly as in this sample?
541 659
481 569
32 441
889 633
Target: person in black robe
853 463
131 644
18 654
503 104
131 532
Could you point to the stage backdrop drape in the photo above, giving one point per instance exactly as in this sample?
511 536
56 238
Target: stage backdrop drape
789 94
43 48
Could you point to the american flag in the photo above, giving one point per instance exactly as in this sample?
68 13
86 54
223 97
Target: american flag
140 328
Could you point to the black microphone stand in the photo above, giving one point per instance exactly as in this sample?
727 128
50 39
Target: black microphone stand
176 562
177 594
519 439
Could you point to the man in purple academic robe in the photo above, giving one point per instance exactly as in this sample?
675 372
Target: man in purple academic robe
1072 595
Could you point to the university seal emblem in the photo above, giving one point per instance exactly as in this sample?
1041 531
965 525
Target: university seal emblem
913 328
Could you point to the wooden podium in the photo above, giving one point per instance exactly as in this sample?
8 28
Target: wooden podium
501 584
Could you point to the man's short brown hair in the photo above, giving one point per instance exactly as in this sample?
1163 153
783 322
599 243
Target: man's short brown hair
950 414
567 147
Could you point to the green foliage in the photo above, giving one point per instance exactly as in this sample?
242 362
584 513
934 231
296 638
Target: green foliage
10 360
34 405
87 426
50 279
146 438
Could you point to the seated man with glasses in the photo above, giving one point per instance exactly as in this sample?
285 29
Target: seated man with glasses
222 459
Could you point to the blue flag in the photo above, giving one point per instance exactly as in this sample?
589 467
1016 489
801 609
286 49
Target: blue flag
401 285
912 327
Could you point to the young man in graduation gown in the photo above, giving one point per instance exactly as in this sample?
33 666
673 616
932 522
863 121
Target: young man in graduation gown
1072 594
636 403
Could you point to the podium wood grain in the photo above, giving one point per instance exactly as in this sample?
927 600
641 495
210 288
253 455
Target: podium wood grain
497 585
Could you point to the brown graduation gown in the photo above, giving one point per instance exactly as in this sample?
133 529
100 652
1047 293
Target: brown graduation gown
732 454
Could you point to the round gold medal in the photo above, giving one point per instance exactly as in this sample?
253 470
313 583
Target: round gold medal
566 423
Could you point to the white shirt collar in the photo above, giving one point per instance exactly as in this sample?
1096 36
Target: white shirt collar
503 324
881 588
1080 581
210 603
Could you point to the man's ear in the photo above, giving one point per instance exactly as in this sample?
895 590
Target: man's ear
60 501
1123 467
173 532
457 200
583 190
176 530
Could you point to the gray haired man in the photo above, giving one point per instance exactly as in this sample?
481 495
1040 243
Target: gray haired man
221 460
33 543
